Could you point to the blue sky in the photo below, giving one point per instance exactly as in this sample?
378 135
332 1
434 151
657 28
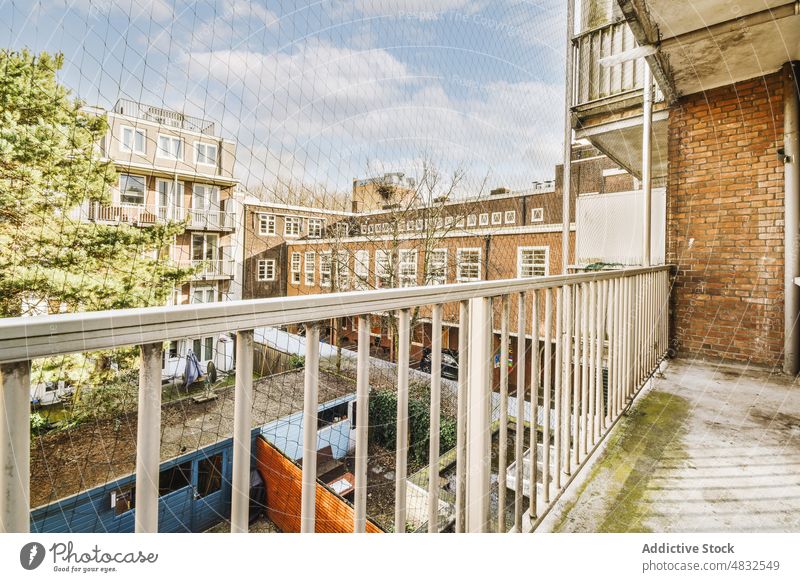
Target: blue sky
322 92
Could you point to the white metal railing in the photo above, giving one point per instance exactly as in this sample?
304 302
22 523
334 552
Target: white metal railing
163 116
585 327
135 214
598 81
210 268
210 219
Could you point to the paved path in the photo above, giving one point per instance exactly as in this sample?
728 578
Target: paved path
710 448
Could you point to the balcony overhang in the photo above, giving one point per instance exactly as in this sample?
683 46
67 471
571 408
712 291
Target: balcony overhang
621 140
703 44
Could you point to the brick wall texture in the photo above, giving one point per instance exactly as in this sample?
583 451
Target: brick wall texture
725 222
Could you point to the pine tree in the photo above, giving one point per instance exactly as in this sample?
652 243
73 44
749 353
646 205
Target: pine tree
49 167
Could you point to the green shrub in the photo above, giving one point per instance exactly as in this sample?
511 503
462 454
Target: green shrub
383 425
297 361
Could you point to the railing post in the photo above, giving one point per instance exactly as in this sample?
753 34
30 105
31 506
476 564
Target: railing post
401 461
436 403
461 417
478 415
362 426
502 461
15 447
242 432
535 383
519 427
148 440
310 411
548 350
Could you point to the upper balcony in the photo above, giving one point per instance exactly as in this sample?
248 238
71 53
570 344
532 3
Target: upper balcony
214 220
585 343
163 116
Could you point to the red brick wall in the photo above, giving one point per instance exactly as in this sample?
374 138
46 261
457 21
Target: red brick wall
725 222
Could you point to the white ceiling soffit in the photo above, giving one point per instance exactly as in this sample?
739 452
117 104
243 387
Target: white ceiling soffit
712 43
622 142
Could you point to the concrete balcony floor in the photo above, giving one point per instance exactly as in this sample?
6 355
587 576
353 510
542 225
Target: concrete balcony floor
708 448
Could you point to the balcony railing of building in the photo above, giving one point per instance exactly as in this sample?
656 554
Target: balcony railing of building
163 116
134 214
598 338
210 219
597 81
210 268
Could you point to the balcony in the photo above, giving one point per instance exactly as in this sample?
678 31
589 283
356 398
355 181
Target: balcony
215 220
134 215
607 97
210 269
163 116
589 342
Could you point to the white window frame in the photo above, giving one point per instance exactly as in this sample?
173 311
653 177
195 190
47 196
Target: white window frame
132 149
269 221
264 268
198 145
510 217
169 155
484 219
309 267
383 269
461 222
420 224
434 264
122 192
296 220
296 264
521 251
205 289
460 263
324 273
342 271
497 218
537 214
472 220
316 227
371 229
361 269
407 267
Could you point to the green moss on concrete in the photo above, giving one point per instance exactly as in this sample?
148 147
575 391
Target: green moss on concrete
621 477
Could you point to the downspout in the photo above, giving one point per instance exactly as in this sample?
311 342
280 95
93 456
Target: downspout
647 162
791 233
566 181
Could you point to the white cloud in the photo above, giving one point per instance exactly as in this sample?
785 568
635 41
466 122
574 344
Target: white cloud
157 10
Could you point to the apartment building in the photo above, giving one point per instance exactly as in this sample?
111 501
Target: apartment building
501 234
175 167
656 92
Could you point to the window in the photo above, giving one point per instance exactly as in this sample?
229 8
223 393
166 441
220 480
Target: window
497 218
266 270
291 226
133 140
325 269
169 147
472 220
295 268
510 217
342 271
532 261
420 224
468 265
343 229
484 221
410 225
361 268
175 478
383 269
203 348
371 228
385 227
209 475
310 267
363 229
204 247
537 214
266 224
124 500
203 295
437 267
408 268
205 153
131 189
460 222
315 226
205 197
169 199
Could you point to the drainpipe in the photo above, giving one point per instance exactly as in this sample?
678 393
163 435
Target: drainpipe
566 181
791 235
647 162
